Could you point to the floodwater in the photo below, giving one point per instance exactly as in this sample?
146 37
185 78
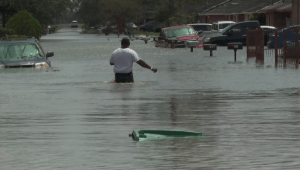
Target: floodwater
71 117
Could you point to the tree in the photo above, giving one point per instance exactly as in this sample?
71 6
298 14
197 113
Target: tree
121 11
101 11
6 10
43 10
91 12
24 24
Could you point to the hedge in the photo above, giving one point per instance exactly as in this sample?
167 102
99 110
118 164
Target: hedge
24 24
6 31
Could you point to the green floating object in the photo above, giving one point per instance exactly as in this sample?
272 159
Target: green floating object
143 135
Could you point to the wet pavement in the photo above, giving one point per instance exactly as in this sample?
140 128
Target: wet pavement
71 117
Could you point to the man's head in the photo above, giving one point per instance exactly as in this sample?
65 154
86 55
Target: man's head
125 43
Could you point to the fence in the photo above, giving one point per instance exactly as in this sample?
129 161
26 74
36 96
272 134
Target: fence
255 43
283 46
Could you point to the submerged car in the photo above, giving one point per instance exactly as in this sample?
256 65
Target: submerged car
235 32
23 53
290 50
290 36
202 28
219 26
179 35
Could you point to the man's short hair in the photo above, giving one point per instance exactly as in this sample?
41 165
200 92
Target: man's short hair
125 41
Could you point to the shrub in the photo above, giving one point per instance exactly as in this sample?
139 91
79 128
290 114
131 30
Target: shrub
24 24
5 31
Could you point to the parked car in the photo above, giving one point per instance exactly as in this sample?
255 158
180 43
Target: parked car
290 51
51 29
202 28
130 26
74 23
179 34
235 32
23 53
150 26
290 37
220 25
268 30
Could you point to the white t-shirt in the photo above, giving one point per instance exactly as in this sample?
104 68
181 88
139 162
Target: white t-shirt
123 59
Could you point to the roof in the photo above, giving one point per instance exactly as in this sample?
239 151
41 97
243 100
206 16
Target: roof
278 7
202 6
238 7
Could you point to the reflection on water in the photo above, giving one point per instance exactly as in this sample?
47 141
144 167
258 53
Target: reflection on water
75 118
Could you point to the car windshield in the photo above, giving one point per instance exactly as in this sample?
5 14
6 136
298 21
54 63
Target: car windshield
202 27
180 32
225 29
20 51
222 26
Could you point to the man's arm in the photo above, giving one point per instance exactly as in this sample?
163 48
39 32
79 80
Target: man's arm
145 65
111 63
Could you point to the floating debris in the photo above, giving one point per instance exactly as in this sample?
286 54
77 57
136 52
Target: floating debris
143 135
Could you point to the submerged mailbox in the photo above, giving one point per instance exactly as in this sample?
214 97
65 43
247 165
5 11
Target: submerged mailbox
210 47
235 46
192 44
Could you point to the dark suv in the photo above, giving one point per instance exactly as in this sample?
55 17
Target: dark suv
23 53
150 26
235 32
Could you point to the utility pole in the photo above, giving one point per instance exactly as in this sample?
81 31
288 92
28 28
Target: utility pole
171 7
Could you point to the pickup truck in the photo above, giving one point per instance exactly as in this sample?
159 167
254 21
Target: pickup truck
181 36
235 32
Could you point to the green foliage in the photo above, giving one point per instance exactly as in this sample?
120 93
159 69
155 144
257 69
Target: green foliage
162 15
137 33
94 12
24 24
6 31
179 19
13 37
43 10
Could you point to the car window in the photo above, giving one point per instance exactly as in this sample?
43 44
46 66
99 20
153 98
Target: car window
237 28
180 32
31 51
14 52
215 26
227 28
222 26
40 49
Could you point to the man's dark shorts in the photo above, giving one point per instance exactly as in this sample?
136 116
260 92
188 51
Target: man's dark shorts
124 77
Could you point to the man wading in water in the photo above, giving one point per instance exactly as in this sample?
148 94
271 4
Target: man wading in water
123 59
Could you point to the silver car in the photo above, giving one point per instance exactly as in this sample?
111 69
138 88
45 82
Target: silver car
23 53
74 23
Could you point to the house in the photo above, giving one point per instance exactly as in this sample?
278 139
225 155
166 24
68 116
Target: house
278 14
296 12
237 10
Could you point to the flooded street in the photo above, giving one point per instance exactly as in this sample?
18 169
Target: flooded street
71 117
